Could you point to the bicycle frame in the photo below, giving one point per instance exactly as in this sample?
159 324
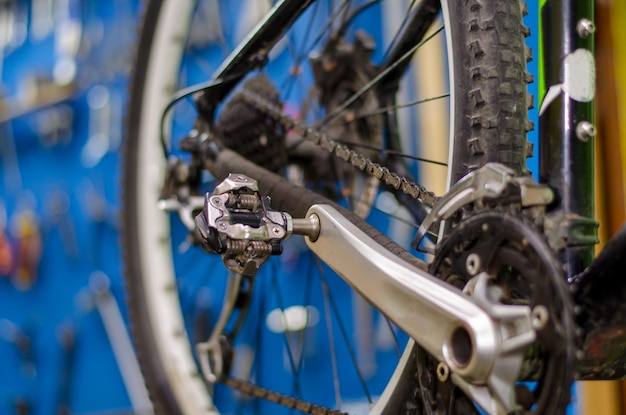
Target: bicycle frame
565 144
566 130
565 158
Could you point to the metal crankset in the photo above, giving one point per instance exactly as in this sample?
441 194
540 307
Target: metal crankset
498 254
479 341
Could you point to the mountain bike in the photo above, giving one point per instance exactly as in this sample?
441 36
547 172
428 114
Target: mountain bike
282 251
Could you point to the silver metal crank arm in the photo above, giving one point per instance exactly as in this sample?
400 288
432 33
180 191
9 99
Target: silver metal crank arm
444 321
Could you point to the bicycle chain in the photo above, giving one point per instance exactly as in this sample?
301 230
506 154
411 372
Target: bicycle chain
256 391
339 150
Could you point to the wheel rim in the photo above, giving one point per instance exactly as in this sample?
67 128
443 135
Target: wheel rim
154 226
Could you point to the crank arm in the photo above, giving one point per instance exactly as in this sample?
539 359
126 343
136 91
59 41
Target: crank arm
121 343
473 342
439 317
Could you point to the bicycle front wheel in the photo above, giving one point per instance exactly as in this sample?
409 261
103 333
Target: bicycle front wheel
175 291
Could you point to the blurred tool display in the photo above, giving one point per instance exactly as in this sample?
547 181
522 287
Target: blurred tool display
64 67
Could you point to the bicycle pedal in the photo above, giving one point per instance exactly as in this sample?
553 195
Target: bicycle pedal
238 222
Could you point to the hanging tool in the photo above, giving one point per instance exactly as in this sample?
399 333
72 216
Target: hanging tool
16 335
28 248
67 339
57 215
6 250
109 311
99 143
68 32
7 20
41 19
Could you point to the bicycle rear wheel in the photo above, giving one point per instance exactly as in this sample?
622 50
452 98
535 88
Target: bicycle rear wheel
171 294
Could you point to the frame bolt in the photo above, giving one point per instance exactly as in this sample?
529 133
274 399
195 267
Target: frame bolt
443 371
585 27
539 317
585 130
472 264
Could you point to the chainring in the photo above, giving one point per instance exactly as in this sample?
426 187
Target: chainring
507 244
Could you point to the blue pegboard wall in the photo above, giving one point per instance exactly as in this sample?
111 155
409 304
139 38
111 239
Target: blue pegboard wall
63 89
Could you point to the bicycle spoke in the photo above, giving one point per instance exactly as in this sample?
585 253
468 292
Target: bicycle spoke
378 78
346 14
299 342
331 340
281 307
295 68
395 337
207 276
299 53
204 64
295 145
307 303
390 152
258 350
342 328
396 217
395 36
358 11
384 110
255 370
